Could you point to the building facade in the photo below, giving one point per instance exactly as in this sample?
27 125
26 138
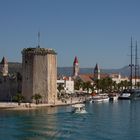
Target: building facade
118 78
67 83
39 67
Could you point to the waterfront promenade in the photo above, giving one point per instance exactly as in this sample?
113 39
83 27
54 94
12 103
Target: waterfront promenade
26 106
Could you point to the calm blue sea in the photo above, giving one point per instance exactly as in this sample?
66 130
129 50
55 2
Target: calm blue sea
104 121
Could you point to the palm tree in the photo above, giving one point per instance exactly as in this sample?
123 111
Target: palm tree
98 84
114 86
78 84
18 98
60 87
87 86
37 97
105 84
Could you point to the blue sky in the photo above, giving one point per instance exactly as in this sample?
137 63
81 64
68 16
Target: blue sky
96 31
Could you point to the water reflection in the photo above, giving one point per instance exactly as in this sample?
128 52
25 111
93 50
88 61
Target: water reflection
117 120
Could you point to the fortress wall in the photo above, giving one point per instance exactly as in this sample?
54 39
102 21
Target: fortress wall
27 80
8 89
39 74
52 78
44 77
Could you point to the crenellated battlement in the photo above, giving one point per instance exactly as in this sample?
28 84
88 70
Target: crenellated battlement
38 51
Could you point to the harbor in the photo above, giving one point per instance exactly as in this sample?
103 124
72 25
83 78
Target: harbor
109 120
69 70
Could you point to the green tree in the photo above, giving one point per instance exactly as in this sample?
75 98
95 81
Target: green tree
18 98
37 98
97 84
87 86
105 84
60 87
78 84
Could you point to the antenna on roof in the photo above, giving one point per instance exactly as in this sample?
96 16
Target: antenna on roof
38 39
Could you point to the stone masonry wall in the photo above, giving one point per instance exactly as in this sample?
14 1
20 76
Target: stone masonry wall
39 74
27 78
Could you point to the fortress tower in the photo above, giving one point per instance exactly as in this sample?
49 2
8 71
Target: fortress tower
96 72
4 67
39 67
75 67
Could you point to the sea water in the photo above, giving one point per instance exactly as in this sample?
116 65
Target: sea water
104 121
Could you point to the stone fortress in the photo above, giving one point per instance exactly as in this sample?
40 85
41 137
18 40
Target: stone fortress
39 72
10 83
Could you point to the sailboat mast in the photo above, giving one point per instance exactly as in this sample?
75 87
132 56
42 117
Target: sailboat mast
131 65
136 65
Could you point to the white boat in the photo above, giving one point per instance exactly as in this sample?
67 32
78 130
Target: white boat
97 98
135 94
125 95
113 97
79 108
100 98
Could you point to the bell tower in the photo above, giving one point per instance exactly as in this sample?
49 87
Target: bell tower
4 67
97 72
75 67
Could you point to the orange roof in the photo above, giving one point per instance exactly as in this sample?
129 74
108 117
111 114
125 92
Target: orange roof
90 77
86 77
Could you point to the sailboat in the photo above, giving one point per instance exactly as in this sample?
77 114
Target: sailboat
132 93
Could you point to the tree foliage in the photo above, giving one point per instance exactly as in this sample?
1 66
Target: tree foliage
78 84
37 98
60 87
18 98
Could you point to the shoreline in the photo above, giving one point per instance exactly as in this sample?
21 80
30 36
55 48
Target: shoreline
31 106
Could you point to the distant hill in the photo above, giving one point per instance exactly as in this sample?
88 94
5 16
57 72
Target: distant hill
125 71
17 67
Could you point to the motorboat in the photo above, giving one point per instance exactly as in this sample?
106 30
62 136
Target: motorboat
79 108
125 95
100 98
135 94
113 97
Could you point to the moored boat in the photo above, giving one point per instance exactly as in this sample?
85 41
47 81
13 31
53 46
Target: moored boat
124 96
113 97
133 94
100 98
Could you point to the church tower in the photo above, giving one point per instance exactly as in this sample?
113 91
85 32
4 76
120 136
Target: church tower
96 72
39 67
4 67
75 67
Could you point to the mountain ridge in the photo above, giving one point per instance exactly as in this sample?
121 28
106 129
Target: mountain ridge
67 71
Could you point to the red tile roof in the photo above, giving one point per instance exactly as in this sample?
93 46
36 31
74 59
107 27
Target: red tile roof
75 60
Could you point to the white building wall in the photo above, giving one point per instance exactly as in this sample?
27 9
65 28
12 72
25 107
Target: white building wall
118 78
68 85
137 81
